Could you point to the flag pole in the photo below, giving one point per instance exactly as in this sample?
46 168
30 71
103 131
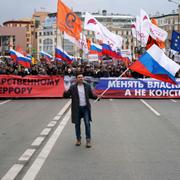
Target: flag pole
136 52
100 96
140 38
56 46
82 43
63 41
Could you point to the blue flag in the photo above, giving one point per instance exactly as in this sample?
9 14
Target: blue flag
175 41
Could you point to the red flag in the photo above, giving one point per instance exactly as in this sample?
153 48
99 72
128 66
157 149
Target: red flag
67 21
20 50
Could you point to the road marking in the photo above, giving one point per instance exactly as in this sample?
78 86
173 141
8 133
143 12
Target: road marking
4 102
13 172
56 118
38 141
45 131
41 158
16 168
173 100
27 155
151 108
52 124
62 111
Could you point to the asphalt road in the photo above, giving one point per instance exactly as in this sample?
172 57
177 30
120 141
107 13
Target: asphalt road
132 139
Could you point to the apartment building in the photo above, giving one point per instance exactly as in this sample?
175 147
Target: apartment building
12 37
169 22
29 27
119 24
49 37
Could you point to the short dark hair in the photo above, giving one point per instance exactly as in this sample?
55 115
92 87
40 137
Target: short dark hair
79 73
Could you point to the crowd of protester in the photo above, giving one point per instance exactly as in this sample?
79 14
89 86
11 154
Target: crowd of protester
42 67
8 67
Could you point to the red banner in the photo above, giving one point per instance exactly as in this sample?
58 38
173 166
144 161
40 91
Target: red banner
31 86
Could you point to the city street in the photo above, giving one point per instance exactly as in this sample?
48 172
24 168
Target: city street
132 139
58 54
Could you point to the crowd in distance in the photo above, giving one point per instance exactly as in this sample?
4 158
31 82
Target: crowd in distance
42 67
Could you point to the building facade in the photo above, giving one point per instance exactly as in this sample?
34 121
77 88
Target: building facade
41 33
46 36
117 24
169 22
29 27
38 18
49 37
12 37
121 25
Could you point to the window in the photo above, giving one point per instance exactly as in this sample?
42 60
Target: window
37 21
48 45
176 28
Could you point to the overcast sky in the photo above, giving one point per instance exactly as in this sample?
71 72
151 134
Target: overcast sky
15 9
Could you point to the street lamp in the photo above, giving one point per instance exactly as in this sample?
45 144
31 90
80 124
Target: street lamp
178 3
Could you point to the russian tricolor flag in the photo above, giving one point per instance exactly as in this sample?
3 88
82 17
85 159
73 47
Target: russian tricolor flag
154 63
60 54
46 56
58 60
107 50
20 59
95 49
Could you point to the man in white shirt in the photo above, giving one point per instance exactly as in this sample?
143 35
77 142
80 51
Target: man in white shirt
81 92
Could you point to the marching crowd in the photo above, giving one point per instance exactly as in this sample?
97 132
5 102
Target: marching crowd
97 70
8 67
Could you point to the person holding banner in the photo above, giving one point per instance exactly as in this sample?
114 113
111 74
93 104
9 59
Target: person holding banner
80 93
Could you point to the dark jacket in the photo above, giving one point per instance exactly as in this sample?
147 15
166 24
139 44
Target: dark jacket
73 93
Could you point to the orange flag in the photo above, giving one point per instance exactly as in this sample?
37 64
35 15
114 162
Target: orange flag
67 21
88 43
152 41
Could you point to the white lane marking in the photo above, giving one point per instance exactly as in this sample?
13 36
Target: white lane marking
62 111
13 172
38 141
151 108
56 118
27 155
16 168
4 102
45 131
173 100
52 124
41 158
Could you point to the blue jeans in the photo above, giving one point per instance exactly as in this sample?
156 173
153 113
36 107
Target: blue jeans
83 113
